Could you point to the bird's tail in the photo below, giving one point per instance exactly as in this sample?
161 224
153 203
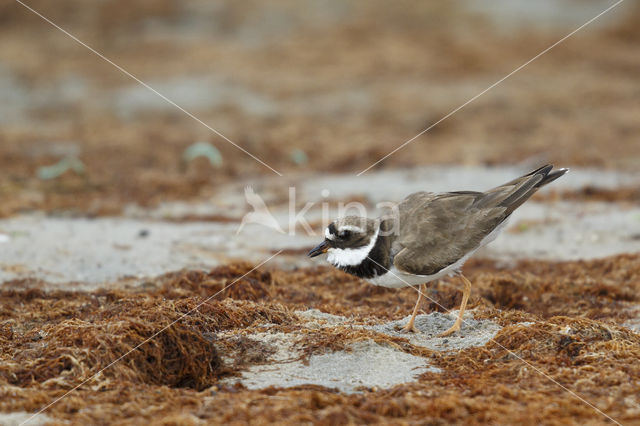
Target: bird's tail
519 190
550 176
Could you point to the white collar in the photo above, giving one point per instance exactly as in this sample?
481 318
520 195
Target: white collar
351 256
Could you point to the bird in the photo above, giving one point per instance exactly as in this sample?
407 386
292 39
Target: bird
427 236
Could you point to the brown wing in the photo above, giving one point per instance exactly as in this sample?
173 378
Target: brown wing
436 230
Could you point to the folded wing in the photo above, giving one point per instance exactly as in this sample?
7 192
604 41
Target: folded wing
437 230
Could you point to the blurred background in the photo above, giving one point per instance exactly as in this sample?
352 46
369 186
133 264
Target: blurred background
316 86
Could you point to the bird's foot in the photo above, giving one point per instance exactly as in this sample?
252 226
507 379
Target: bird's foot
449 332
409 328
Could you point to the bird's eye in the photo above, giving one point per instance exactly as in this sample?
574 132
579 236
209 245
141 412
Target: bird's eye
344 234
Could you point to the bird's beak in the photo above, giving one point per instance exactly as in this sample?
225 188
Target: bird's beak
319 249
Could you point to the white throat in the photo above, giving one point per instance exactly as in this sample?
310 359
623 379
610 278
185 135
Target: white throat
351 256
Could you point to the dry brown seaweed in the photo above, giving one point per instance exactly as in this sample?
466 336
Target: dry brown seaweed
53 341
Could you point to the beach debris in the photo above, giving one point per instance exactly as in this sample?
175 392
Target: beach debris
61 167
299 157
203 149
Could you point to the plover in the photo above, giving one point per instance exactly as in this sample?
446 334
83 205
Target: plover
429 236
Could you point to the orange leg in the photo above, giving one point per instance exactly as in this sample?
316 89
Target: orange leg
410 327
465 297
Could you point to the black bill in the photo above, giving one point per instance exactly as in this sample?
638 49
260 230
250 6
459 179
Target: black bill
319 249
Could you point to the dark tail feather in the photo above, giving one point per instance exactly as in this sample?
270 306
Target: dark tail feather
529 184
544 170
550 177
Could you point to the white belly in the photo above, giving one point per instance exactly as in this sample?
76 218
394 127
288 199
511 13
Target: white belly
397 279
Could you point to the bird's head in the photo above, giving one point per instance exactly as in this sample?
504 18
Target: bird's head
347 236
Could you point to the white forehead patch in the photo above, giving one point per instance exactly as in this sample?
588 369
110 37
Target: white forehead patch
328 235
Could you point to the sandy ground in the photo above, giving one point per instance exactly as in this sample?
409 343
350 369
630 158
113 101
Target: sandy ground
15 419
365 364
103 251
